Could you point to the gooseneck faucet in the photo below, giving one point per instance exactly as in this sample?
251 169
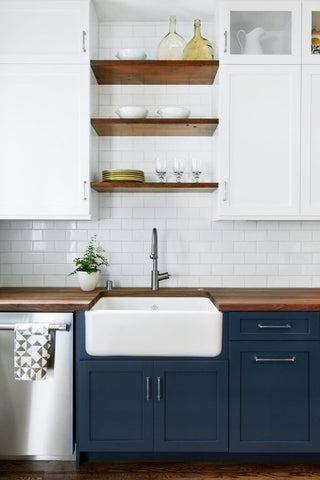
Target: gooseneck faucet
155 275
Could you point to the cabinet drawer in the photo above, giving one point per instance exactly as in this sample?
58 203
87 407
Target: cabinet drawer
274 325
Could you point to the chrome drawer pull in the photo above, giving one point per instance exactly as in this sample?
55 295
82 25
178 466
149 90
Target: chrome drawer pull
159 389
287 325
148 389
289 359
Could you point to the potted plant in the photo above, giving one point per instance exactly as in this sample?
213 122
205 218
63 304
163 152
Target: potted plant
88 266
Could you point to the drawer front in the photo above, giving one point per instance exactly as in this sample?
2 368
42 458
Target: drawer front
274 325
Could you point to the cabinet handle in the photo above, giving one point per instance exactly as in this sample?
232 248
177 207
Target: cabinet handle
262 359
225 191
159 389
225 41
84 35
85 190
286 326
148 389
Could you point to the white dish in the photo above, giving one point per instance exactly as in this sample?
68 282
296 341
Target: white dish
131 54
174 112
132 112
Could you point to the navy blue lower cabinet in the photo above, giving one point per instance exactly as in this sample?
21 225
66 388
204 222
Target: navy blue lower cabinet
115 409
191 406
274 396
158 406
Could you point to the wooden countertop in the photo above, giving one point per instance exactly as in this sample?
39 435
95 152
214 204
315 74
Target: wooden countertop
226 299
40 299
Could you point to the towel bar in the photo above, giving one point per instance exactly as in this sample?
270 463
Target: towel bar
63 327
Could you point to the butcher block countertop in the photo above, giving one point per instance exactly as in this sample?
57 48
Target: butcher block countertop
226 299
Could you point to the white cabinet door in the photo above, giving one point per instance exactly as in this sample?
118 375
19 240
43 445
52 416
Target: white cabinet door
38 31
44 141
311 32
264 32
260 141
310 141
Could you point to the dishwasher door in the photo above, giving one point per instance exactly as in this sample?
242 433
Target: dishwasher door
36 416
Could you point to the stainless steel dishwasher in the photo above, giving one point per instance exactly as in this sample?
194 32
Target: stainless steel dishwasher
36 416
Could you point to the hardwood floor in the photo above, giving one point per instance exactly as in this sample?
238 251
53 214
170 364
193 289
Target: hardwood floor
44 470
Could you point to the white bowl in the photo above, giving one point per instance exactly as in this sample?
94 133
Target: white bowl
131 54
174 112
132 112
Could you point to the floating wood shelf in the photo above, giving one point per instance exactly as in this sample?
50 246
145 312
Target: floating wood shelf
154 72
155 126
152 187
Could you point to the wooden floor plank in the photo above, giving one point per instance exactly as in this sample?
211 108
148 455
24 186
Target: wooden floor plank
43 470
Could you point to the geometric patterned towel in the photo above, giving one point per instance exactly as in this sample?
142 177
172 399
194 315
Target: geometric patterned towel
31 351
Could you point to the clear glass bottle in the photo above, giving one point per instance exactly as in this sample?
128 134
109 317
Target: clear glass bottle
198 48
172 45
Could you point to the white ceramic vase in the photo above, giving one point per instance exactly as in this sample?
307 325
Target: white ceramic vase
88 281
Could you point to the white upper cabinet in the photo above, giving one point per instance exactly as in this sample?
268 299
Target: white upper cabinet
259 141
44 31
311 32
44 141
310 141
266 32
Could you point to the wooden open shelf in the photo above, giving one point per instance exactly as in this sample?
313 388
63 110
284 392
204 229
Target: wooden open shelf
152 187
155 126
154 72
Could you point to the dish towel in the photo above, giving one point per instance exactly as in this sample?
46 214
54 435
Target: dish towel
31 351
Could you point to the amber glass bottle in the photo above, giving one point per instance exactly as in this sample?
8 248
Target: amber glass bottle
198 48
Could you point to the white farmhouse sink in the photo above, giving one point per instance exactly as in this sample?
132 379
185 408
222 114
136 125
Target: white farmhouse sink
154 326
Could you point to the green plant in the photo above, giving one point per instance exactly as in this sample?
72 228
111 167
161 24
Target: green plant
92 259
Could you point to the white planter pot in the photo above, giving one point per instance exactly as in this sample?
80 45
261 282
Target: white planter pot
88 281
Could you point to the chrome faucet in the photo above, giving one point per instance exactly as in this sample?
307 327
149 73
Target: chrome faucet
155 275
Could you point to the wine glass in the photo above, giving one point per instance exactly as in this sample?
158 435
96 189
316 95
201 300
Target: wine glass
178 168
161 169
196 169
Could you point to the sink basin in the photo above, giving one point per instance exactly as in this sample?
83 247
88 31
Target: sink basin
153 326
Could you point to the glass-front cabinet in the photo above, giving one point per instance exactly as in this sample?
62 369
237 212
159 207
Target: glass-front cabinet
311 32
261 32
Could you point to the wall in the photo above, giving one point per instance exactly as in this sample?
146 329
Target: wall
195 250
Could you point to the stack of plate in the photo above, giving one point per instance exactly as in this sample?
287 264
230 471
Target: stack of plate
122 176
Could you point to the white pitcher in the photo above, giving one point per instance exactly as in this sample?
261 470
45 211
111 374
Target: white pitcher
250 42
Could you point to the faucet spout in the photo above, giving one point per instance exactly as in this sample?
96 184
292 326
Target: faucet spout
154 244
155 275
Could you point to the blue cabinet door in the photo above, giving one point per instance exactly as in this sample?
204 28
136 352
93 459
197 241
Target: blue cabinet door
191 406
274 396
114 406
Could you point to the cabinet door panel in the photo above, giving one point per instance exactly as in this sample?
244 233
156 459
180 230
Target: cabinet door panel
35 31
191 411
260 32
310 21
44 141
310 141
274 397
260 140
114 411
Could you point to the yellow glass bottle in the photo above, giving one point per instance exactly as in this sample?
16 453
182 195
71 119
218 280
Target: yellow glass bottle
198 48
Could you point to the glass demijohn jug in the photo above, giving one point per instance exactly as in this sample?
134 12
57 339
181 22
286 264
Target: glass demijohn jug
198 48
172 45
